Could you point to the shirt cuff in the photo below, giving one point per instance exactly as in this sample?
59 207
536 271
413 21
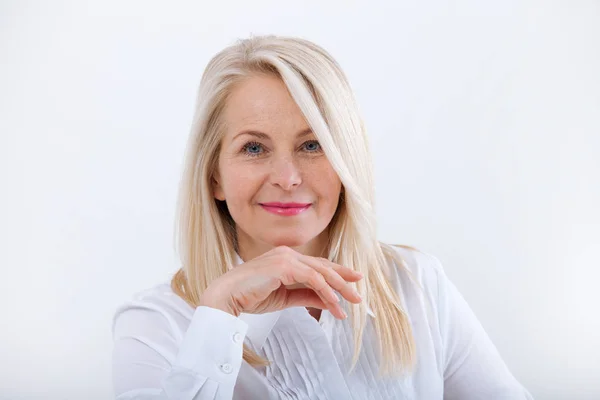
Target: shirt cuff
213 345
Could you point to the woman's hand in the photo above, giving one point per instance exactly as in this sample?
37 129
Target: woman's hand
282 278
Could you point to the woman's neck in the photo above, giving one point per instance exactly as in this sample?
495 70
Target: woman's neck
314 312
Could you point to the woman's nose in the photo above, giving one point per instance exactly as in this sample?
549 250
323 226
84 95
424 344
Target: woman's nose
285 173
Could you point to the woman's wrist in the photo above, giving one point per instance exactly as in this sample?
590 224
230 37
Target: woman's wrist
209 300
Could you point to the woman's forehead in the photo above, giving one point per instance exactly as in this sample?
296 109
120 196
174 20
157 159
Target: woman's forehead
258 98
265 107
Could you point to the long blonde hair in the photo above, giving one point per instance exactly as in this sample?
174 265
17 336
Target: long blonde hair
205 230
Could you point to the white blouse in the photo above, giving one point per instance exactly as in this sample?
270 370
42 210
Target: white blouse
165 349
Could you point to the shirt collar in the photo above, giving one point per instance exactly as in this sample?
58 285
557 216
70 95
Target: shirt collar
261 325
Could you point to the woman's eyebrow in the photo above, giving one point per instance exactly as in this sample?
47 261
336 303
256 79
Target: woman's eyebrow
262 135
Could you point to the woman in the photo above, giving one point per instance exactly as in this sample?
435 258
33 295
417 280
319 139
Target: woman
285 291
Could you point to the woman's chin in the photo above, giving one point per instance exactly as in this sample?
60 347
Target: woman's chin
289 241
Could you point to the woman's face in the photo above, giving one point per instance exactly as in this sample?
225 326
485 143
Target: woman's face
269 155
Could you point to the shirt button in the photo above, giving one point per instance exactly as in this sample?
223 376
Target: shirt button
237 338
226 368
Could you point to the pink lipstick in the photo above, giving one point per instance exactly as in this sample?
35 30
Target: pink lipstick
285 209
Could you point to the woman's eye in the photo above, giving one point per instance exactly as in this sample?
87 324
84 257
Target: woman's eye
312 146
252 148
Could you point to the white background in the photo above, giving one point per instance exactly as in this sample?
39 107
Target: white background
484 118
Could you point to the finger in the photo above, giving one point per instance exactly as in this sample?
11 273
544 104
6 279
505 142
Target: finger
310 277
348 274
345 272
325 267
330 306
303 273
309 298
304 298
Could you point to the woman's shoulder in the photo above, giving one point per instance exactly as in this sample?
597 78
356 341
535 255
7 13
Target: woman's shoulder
421 265
159 295
415 274
155 306
415 278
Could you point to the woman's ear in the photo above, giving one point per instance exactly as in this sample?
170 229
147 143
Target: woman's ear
218 192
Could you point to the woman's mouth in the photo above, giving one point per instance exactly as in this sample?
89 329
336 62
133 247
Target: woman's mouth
285 209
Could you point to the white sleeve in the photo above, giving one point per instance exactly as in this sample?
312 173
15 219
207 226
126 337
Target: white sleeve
473 368
150 362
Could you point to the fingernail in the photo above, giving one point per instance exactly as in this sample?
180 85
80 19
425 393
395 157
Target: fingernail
344 313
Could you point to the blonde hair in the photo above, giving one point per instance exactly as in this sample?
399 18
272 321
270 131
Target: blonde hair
205 229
